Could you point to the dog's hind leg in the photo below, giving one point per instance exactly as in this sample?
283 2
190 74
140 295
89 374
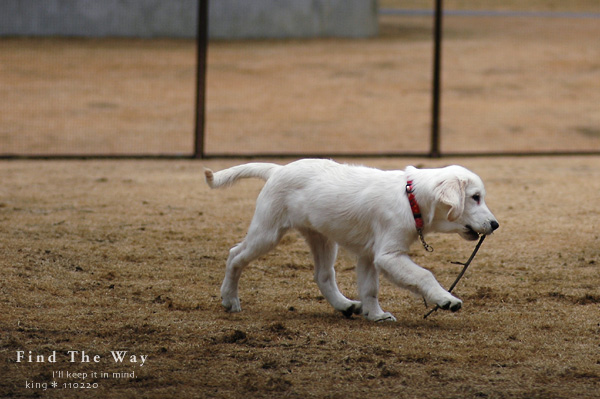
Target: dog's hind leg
368 288
258 242
325 252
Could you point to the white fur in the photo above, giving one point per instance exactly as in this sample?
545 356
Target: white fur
366 211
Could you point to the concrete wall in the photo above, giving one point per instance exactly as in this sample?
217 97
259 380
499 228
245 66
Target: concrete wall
237 19
292 18
138 18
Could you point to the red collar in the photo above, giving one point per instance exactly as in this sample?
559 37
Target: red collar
414 206
416 211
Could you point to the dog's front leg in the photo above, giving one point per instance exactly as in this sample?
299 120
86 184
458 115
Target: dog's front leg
368 290
402 271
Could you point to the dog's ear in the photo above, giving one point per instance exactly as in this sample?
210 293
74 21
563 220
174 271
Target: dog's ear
451 192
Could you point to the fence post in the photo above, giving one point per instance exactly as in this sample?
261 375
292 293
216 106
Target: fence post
437 60
202 46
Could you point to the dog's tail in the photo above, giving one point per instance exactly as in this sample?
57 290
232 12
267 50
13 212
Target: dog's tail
227 177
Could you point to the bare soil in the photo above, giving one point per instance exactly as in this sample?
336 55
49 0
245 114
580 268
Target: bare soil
101 256
96 96
509 85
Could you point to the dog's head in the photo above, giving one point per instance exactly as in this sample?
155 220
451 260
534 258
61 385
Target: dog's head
459 197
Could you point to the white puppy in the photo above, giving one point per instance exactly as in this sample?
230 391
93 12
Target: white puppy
366 211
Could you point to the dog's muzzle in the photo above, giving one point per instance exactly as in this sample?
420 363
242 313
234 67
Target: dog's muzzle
470 234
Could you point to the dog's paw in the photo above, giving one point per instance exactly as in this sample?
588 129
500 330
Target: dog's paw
384 316
232 305
355 308
453 305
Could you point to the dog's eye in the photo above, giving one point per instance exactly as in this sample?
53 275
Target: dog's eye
476 198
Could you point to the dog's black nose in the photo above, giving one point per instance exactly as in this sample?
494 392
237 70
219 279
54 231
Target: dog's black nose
494 224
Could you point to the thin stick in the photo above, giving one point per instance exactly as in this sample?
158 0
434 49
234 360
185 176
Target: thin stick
462 272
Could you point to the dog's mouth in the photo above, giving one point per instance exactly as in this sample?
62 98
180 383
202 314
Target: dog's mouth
469 234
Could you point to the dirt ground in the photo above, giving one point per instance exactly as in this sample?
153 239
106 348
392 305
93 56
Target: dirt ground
102 256
96 96
509 85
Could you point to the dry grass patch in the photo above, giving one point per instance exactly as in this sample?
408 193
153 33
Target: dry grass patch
103 256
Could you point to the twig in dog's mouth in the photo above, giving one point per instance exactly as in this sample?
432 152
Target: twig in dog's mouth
462 272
